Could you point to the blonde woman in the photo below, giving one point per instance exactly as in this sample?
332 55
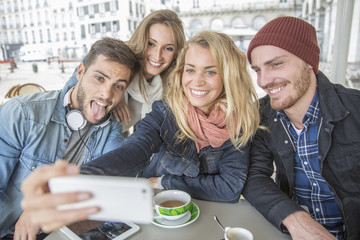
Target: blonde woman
158 40
197 138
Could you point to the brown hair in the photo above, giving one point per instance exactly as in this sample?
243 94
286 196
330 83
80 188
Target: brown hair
140 39
114 50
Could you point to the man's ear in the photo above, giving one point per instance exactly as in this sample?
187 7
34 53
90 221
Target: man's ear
80 71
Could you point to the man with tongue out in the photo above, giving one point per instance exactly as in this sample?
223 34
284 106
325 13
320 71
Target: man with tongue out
74 124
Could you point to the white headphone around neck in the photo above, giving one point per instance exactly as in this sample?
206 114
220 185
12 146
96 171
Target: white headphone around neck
74 118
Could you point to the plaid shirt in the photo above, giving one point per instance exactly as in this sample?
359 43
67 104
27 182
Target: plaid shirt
311 189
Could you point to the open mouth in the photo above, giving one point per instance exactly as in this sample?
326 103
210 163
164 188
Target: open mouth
154 64
98 109
198 93
273 91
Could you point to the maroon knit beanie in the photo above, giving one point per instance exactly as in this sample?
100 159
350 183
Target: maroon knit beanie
291 34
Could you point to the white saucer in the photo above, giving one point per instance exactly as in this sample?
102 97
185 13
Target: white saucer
189 218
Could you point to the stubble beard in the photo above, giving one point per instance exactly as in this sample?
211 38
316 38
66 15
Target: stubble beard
301 85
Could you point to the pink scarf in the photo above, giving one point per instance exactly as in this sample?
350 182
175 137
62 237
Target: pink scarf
210 130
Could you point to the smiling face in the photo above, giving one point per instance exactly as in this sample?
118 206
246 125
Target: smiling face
287 79
201 80
160 51
100 88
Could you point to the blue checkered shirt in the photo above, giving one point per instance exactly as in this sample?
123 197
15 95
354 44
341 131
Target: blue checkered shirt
311 189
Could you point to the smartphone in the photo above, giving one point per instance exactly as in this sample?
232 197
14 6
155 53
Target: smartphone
119 198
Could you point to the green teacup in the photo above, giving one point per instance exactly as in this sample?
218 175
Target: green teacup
172 204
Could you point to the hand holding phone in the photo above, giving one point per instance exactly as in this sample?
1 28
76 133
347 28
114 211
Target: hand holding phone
119 198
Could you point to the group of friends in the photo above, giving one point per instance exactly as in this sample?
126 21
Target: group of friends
199 127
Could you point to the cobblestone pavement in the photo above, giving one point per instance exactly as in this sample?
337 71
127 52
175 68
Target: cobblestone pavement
49 76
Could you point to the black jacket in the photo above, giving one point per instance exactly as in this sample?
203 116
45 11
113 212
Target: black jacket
339 156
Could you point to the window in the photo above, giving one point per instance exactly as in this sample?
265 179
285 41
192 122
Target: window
24 20
83 33
16 8
259 22
11 23
130 9
33 36
73 35
80 12
71 20
57 37
17 19
56 21
8 6
107 7
26 38
47 21
5 37
3 23
19 36
65 36
13 37
31 19
137 9
114 6
97 27
94 28
217 25
63 20
91 9
41 36
116 26
103 27
96 8
237 23
49 35
108 26
195 27
102 7
39 18
195 3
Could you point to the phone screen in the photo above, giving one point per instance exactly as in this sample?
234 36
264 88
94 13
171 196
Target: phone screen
105 231
96 230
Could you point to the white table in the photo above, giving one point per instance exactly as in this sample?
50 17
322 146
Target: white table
240 214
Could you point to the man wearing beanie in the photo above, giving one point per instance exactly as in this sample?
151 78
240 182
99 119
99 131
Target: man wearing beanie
312 138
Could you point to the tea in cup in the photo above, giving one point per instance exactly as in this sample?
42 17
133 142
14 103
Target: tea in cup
172 204
237 233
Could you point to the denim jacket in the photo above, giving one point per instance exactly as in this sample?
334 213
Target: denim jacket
34 133
215 174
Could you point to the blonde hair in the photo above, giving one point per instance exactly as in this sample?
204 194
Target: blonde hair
140 39
239 95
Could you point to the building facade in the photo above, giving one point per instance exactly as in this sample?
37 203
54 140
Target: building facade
239 19
65 28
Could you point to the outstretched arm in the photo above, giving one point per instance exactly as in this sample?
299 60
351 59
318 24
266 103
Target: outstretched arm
41 205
